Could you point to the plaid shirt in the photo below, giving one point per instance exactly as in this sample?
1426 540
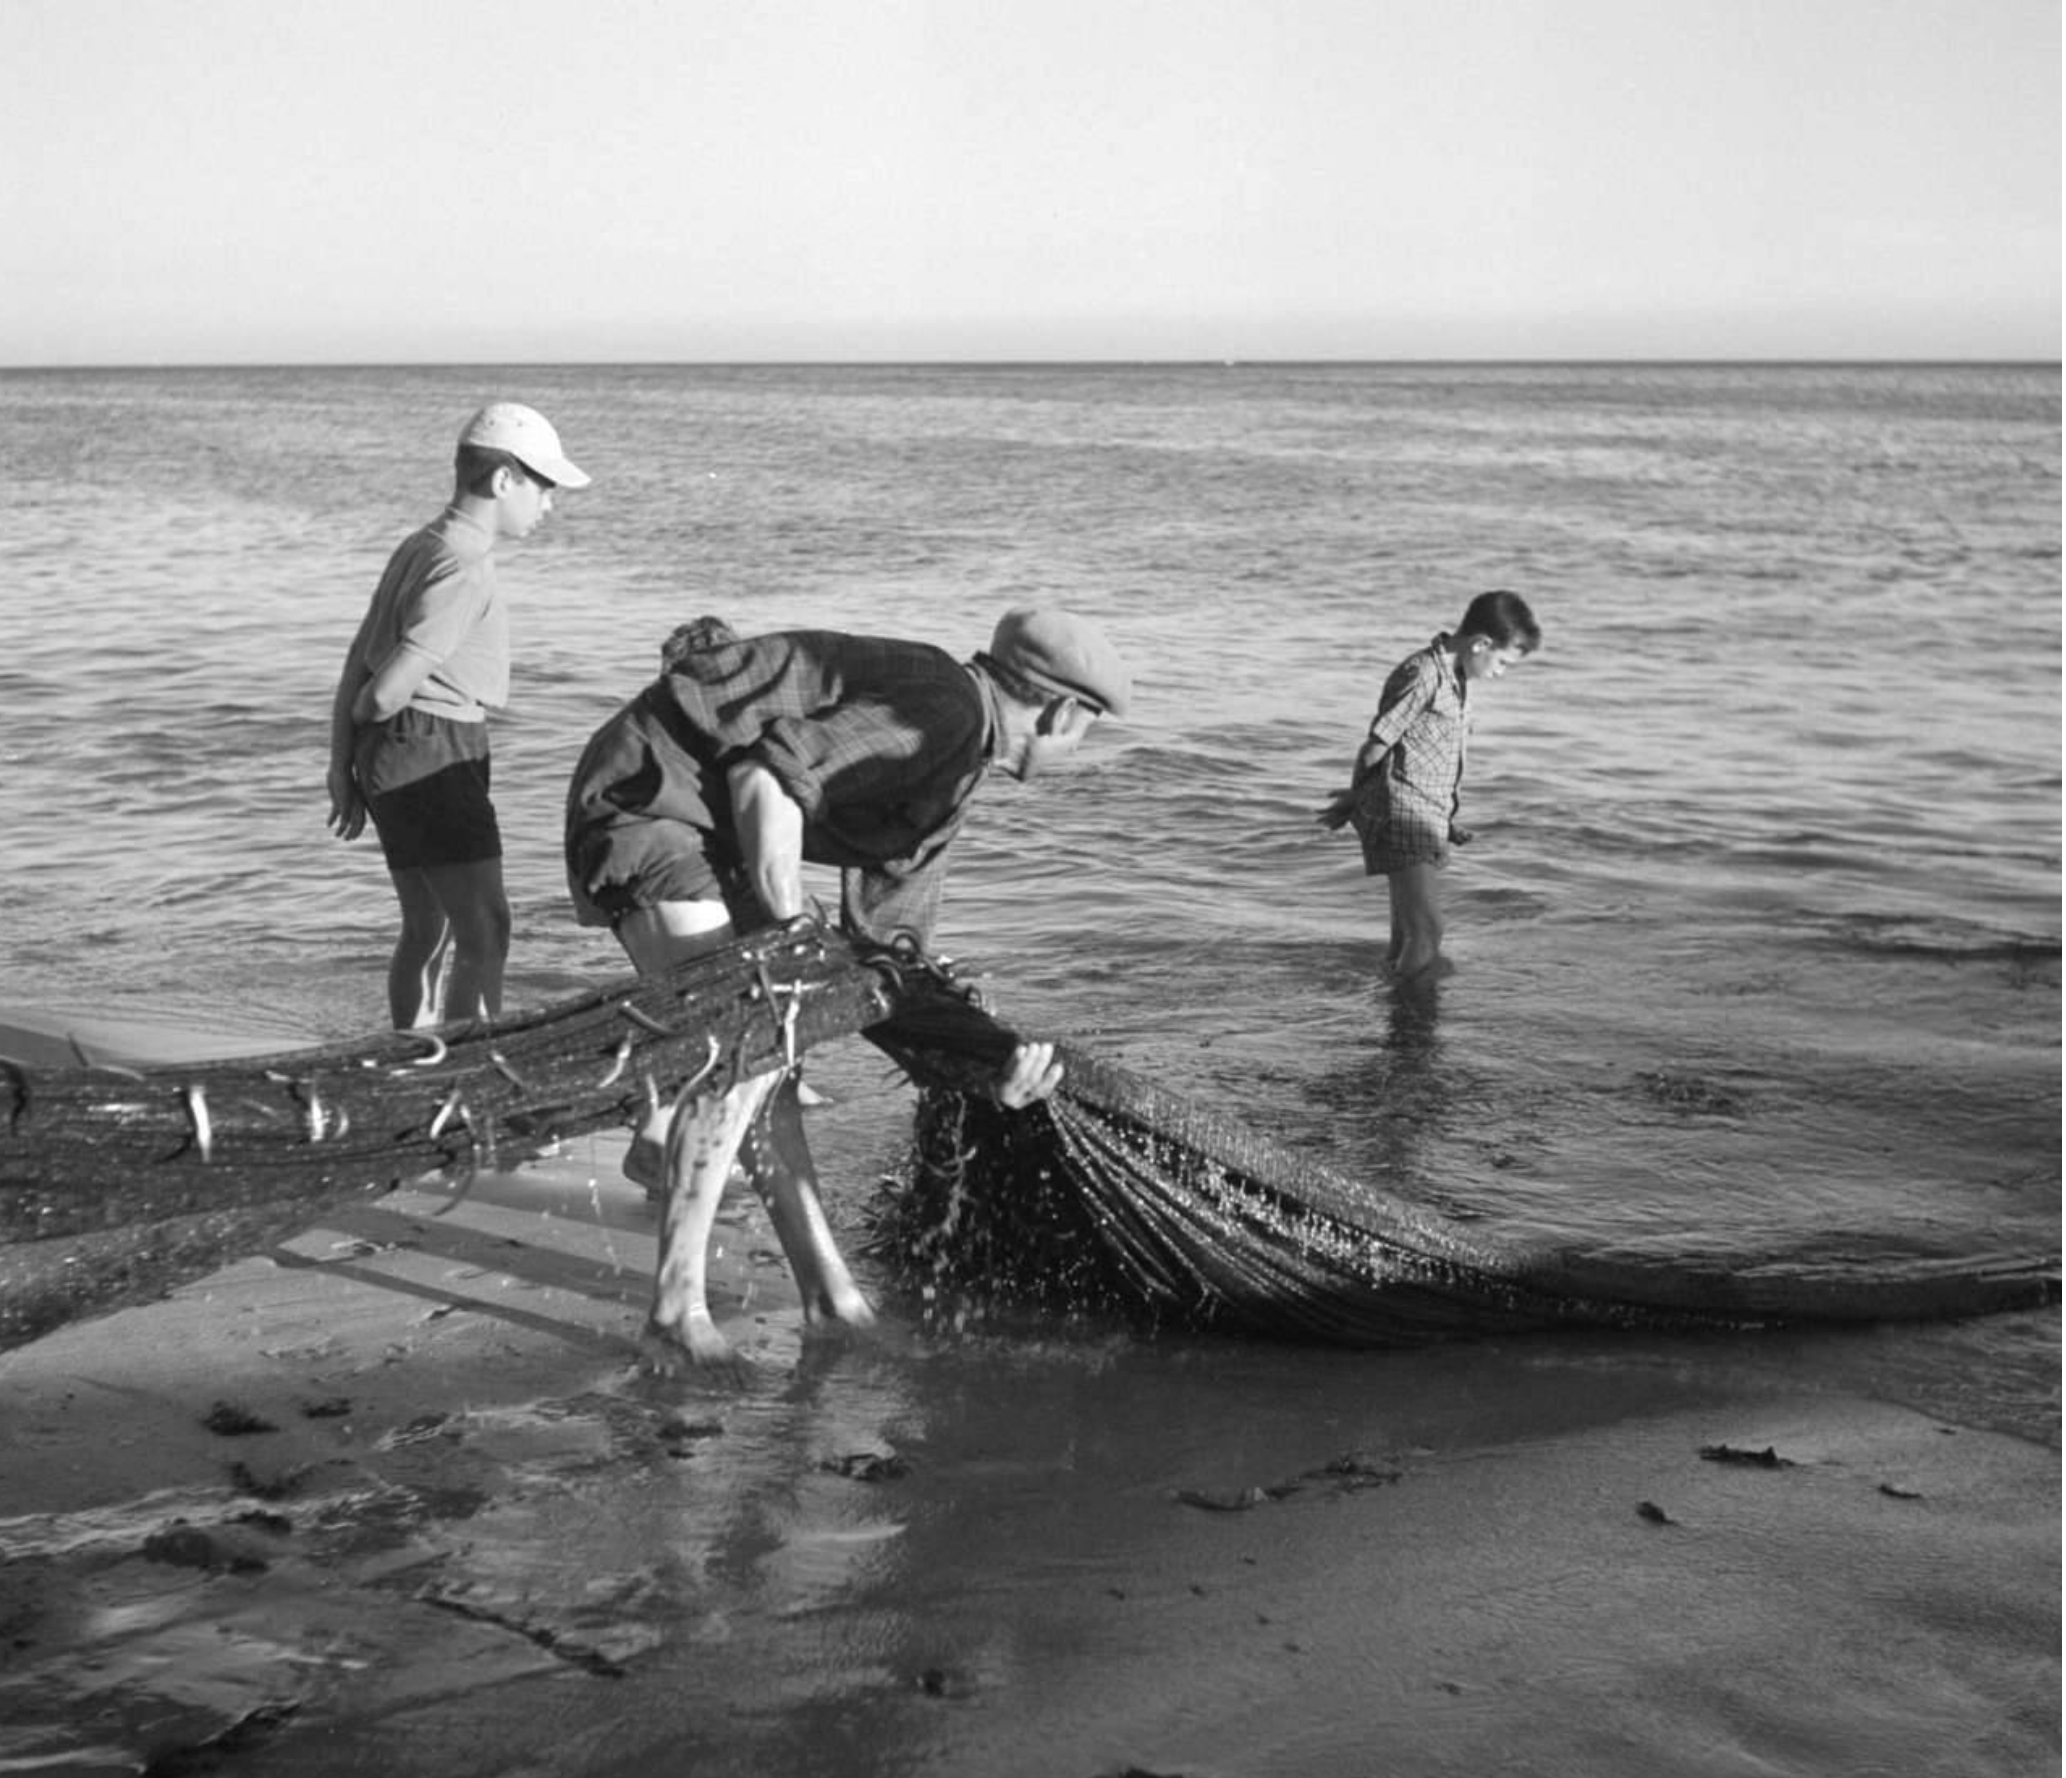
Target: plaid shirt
880 743
1409 773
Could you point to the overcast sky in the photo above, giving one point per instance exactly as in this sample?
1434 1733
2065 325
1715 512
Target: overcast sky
233 181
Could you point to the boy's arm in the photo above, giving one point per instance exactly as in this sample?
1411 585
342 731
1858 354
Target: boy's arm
1407 693
1338 808
1370 756
347 805
392 685
435 611
1342 804
770 826
364 698
432 618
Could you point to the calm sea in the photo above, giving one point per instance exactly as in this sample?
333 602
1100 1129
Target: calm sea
1757 951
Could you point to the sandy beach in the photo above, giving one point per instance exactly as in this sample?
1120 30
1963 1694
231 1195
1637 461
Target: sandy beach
394 1498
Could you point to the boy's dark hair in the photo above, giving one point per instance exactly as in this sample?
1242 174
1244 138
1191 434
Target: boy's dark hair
1503 619
474 467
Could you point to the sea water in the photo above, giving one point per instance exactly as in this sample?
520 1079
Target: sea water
1756 952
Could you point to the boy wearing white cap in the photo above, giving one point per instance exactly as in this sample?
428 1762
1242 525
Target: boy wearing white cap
693 811
409 724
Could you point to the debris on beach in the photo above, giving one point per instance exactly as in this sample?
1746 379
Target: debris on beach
678 1437
1222 1500
1347 1474
280 1487
1768 1458
868 1466
183 1545
226 1420
945 1682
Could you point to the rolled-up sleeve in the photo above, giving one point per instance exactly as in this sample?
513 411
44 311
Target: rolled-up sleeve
1411 689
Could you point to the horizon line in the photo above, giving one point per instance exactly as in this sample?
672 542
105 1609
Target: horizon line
1760 360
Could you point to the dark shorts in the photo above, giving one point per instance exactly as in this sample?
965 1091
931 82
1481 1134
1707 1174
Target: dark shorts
632 864
425 781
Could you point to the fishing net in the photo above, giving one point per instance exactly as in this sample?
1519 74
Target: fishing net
1117 1197
119 1182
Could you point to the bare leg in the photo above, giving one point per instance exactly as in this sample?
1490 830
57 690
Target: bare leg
1416 918
655 939
419 956
695 1161
476 909
781 1169
701 1149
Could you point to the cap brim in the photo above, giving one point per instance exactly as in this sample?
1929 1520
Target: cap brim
564 475
556 470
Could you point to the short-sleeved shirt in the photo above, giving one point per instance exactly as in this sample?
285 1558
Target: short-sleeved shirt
880 743
1407 800
439 599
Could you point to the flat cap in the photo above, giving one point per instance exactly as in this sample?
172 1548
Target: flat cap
1066 655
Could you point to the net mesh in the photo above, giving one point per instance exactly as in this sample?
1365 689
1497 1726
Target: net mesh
1117 1197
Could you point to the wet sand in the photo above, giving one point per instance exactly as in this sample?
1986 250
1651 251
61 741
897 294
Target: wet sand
393 1499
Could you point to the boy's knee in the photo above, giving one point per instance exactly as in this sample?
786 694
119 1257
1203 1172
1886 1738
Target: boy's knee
485 929
423 928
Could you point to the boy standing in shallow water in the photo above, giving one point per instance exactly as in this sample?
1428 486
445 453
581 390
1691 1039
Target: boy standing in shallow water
409 724
1406 786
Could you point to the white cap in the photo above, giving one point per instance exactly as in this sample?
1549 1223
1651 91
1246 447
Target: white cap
527 436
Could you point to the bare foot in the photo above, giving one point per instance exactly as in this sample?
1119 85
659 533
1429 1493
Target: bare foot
692 1347
846 1306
